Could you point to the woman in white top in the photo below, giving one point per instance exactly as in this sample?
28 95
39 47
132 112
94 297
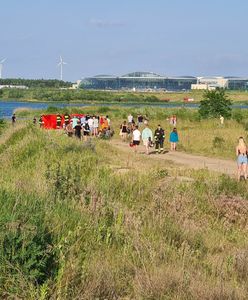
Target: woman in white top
136 138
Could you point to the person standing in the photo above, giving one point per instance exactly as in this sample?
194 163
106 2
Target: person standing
123 131
67 119
90 122
174 139
147 138
140 119
78 129
95 126
241 152
86 130
159 139
74 121
34 120
221 120
136 138
13 118
108 120
58 121
41 121
130 119
69 129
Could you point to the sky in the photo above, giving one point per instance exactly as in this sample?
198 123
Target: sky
116 37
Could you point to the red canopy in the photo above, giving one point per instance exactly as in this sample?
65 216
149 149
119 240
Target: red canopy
50 121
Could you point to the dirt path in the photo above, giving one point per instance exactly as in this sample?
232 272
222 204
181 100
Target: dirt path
193 161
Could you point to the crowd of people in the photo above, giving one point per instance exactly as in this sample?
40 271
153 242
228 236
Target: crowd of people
82 125
129 129
136 132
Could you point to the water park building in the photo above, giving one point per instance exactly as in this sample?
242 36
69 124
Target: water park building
142 81
149 81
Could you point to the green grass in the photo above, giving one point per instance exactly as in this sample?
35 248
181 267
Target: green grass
73 227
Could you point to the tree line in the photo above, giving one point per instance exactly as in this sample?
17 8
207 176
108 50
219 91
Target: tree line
48 94
36 83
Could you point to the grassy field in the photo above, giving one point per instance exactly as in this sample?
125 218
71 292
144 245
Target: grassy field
196 136
95 96
85 221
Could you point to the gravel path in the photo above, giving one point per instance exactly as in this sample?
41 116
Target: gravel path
228 167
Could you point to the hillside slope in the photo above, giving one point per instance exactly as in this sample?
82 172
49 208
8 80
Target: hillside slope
89 221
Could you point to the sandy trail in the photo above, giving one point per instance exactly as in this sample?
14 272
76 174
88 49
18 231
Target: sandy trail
228 167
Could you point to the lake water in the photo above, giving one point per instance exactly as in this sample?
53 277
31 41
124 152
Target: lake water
7 107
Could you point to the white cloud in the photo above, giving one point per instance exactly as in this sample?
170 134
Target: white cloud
106 23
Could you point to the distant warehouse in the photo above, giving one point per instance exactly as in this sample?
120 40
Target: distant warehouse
141 81
211 83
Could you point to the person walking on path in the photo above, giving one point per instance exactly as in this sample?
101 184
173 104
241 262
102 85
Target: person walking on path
174 139
159 139
136 138
241 152
123 131
147 138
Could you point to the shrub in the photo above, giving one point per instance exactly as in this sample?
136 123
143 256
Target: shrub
26 243
218 142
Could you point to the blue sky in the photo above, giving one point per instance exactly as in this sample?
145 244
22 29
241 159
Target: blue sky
179 37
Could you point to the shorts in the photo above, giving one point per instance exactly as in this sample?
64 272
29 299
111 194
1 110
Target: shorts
86 133
136 143
242 159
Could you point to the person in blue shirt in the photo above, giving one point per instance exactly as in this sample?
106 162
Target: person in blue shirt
174 139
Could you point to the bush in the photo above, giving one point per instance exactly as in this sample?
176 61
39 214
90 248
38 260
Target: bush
27 245
218 142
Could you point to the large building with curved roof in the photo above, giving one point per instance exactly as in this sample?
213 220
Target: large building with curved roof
138 81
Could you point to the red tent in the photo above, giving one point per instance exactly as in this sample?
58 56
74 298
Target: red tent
50 121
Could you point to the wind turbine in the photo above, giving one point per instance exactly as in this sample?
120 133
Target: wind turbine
60 64
1 67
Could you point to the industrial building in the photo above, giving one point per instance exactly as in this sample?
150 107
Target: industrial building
211 83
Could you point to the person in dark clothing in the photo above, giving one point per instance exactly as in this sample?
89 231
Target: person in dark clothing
67 119
159 136
140 120
41 122
13 118
58 120
86 129
78 129
124 131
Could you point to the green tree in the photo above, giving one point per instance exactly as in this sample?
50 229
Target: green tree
214 104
